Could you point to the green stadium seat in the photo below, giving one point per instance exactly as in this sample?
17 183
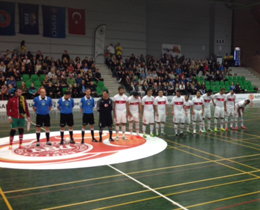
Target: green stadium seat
99 91
42 77
28 83
19 84
25 77
212 83
243 78
230 78
34 77
100 84
248 83
239 78
226 82
64 90
202 78
37 84
222 82
217 83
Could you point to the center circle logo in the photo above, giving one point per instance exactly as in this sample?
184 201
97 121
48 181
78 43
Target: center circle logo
77 155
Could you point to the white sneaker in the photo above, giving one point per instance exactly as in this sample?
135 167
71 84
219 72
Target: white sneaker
201 130
117 138
194 131
124 138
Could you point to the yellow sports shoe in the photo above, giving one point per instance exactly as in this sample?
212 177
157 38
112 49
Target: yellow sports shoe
10 147
223 129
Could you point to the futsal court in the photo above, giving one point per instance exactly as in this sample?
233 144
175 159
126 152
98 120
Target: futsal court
203 171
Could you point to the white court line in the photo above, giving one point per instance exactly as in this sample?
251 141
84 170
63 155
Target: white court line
149 188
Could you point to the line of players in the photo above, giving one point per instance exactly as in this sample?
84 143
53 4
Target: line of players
151 110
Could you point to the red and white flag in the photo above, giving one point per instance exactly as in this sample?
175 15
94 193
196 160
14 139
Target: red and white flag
76 21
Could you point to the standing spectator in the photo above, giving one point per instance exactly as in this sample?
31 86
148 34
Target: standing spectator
238 88
65 55
111 49
119 49
233 87
98 76
17 110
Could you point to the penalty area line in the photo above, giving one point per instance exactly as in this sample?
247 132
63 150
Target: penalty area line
149 188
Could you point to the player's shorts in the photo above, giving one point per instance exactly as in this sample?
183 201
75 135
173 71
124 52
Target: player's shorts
187 118
135 117
120 117
219 112
43 120
197 117
207 113
105 121
161 117
66 119
88 119
148 117
178 118
230 111
17 123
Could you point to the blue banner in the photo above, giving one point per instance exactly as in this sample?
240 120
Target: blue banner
28 16
7 12
54 21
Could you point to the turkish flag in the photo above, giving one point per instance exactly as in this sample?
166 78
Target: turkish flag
76 21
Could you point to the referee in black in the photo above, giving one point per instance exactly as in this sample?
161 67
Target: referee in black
65 106
105 108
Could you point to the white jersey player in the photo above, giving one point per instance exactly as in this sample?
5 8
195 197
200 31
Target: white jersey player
220 109
188 104
149 108
120 101
134 107
197 111
239 111
178 112
162 105
207 111
231 102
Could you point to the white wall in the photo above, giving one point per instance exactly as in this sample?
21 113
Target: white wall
141 26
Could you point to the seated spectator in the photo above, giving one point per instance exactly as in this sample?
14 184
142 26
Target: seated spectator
55 81
71 68
75 91
233 87
82 88
218 76
98 76
78 80
24 90
46 81
51 74
71 80
182 88
165 88
170 88
189 88
199 86
204 88
194 88
4 93
63 82
145 87
111 49
11 91
32 92
2 81
132 88
58 91
238 88
2 67
12 81
155 89
93 89
50 90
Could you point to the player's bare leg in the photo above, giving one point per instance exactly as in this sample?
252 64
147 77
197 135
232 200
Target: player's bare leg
151 130
117 132
123 131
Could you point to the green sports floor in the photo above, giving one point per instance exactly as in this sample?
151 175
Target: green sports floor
203 171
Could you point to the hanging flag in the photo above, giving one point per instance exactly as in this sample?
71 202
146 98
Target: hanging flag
28 16
7 12
76 21
100 40
53 21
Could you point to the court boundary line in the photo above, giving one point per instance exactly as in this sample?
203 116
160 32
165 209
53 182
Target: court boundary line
6 200
149 188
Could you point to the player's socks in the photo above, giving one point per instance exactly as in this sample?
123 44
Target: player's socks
216 123
188 128
38 138
176 128
12 133
71 137
123 130
117 130
92 133
131 128
20 136
144 129
48 138
151 129
226 122
181 128
221 123
61 136
100 136
203 124
194 125
157 126
209 124
242 122
137 128
110 133
162 127
83 135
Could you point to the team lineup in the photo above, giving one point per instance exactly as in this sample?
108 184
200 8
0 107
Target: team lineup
152 110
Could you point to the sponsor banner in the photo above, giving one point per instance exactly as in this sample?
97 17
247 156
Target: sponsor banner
77 155
76 21
54 21
7 15
28 17
3 104
171 49
100 40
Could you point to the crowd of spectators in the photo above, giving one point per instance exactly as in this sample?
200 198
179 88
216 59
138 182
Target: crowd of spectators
167 73
64 73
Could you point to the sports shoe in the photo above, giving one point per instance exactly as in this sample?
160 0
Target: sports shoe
21 146
82 142
152 135
38 144
124 138
226 128
94 140
145 136
163 134
236 128
216 130
232 128
117 138
131 137
49 143
176 134
181 134
72 141
10 147
210 130
157 134
188 132
201 130
111 139
243 127
204 131
194 131
223 129
62 142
